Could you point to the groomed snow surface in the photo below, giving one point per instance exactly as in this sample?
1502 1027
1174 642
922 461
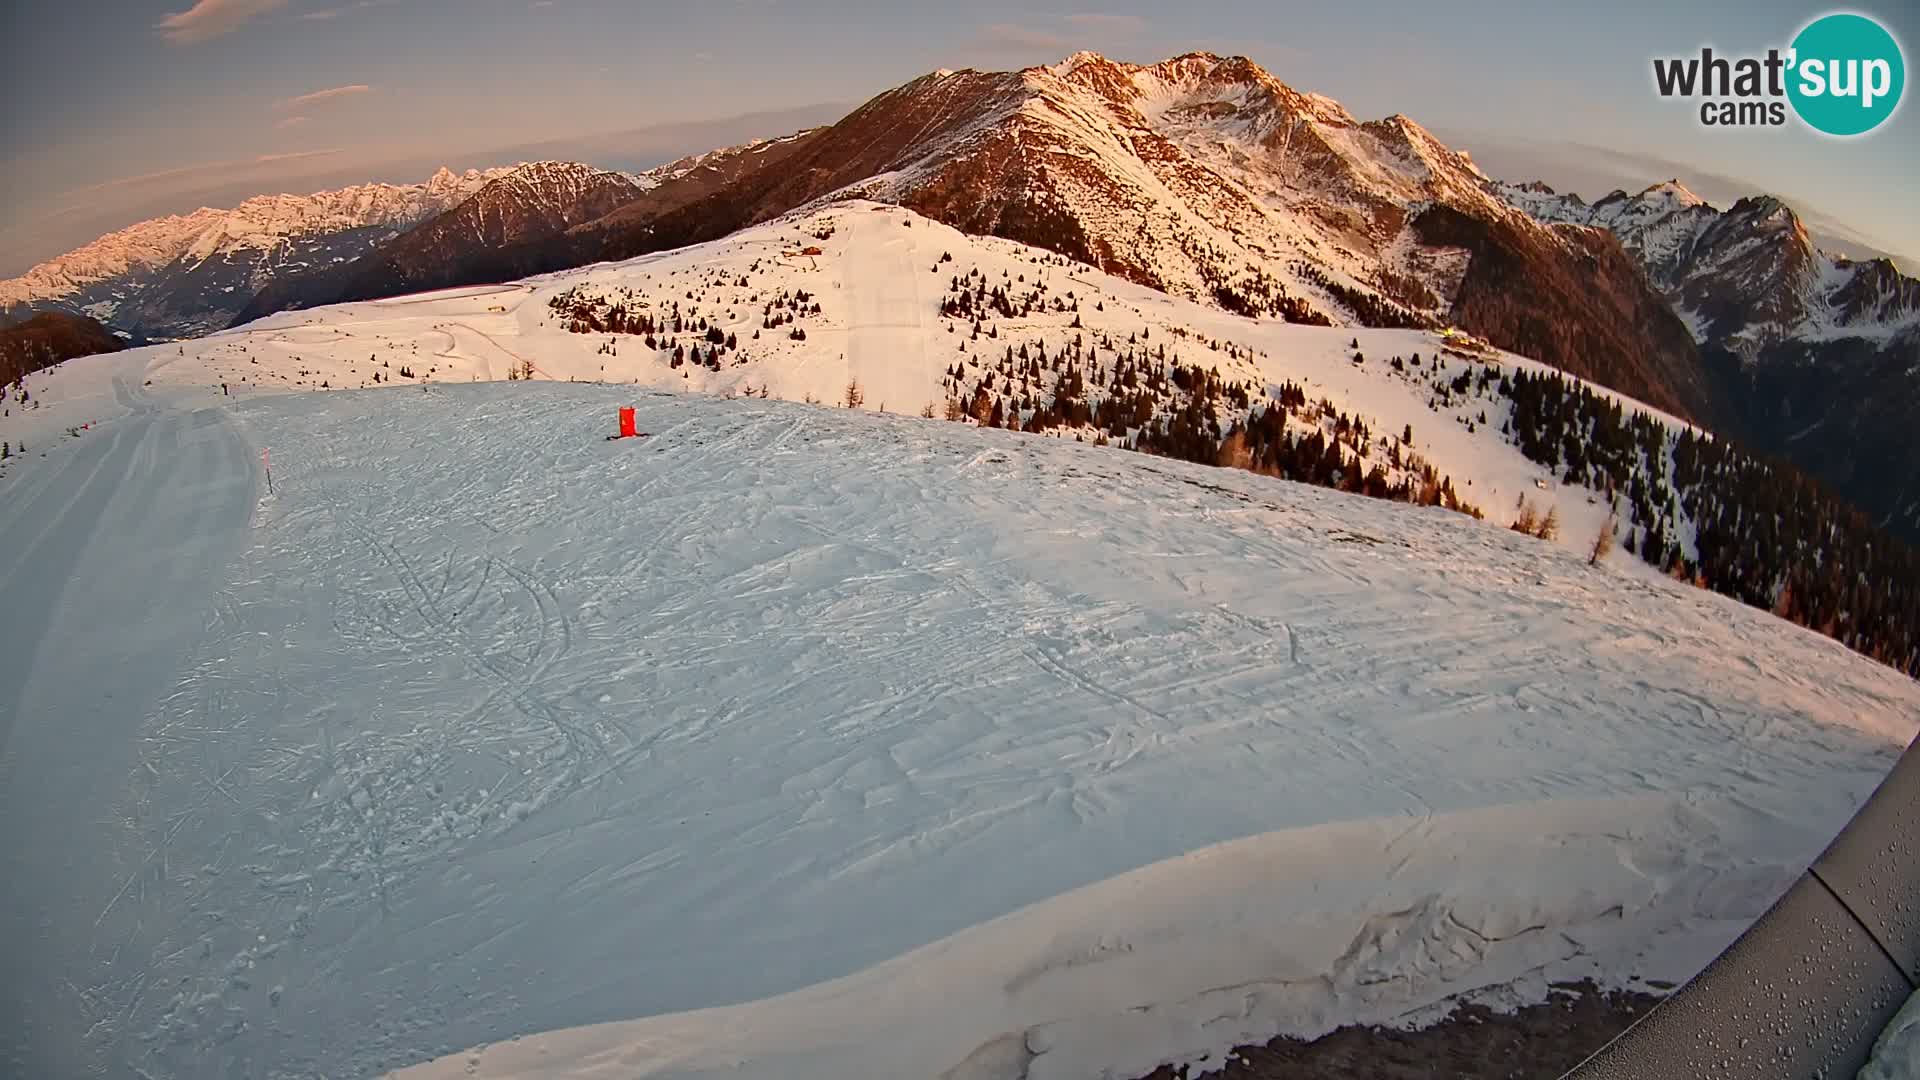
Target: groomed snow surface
792 741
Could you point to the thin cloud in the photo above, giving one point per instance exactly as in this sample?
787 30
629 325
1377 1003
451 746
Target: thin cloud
319 97
344 9
1058 35
151 177
1013 37
1100 22
291 121
209 19
298 155
211 167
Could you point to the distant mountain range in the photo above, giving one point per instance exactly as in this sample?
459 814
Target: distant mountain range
188 274
534 214
461 245
1814 357
1201 176
1746 278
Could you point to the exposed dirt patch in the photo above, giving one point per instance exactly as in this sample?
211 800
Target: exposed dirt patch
1540 1042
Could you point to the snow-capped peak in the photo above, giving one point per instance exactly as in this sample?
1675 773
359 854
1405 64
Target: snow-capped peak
1085 57
1673 192
554 179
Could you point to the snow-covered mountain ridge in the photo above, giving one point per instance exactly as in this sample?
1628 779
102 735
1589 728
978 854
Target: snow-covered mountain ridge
1201 176
186 273
258 222
1746 277
526 203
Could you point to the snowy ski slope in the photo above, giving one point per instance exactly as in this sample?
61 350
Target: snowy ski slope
942 745
794 741
879 281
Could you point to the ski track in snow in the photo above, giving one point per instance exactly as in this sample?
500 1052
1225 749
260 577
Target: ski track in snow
111 553
493 727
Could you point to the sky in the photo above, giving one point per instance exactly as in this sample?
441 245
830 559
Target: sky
115 110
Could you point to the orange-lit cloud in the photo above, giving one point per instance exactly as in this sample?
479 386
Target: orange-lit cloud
1058 35
209 19
1102 22
321 96
345 9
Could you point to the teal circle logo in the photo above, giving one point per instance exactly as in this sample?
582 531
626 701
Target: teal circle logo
1847 76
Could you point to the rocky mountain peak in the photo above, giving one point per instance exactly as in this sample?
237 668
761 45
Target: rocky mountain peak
1673 192
1768 214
